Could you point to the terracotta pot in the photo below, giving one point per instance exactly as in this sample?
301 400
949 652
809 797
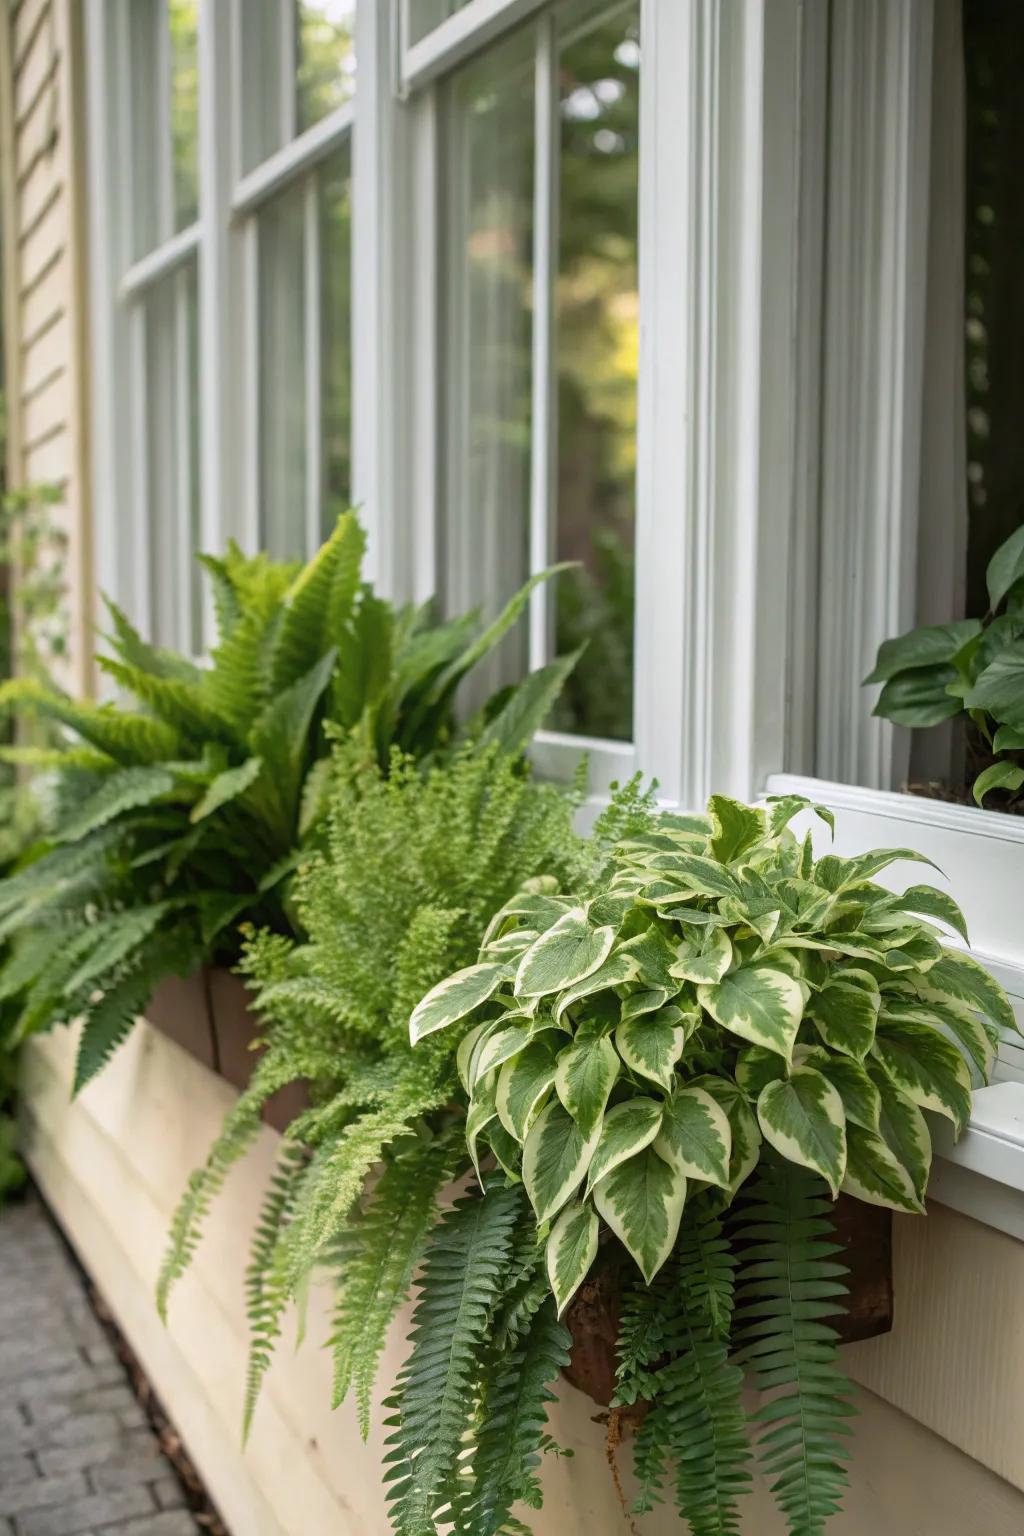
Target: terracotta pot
208 1014
865 1232
180 1009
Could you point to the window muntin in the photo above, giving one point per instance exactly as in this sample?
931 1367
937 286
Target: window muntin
542 338
163 43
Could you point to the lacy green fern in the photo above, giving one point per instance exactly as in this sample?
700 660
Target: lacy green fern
267 1293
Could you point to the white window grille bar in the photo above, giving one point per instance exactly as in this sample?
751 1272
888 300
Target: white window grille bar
462 34
164 138
288 163
184 488
160 262
141 598
313 320
253 525
288 73
544 426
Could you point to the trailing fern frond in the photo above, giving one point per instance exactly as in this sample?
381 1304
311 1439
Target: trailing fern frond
461 1280
267 1295
376 1258
790 1285
113 1015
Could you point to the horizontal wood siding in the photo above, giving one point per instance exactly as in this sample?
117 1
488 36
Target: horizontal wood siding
45 283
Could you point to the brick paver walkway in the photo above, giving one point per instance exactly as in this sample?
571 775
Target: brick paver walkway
77 1454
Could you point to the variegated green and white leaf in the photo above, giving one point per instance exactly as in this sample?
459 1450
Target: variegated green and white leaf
500 1046
571 1249
455 997
647 1001
653 955
904 1130
851 1081
802 1117
652 1044
758 1003
556 1156
584 1077
707 964
959 978
506 1149
746 1133
955 1019
524 1084
845 1012
616 970
696 1136
837 874
570 950
469 1048
930 902
642 1201
736 828
927 1068
626 1130
875 1175
756 1068
696 875
482 1111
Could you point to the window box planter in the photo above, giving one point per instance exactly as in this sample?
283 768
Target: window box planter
209 1014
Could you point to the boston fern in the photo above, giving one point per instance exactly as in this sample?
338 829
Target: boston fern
411 864
973 667
188 810
690 1055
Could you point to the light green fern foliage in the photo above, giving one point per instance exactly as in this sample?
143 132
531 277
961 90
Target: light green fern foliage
410 865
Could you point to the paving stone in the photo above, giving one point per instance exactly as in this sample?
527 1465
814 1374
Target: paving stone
16 1469
15 1498
132 1467
169 1493
96 1510
73 1428
173 1522
89 1453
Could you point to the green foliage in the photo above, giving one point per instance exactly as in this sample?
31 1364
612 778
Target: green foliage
409 866
973 668
189 811
711 1016
789 1286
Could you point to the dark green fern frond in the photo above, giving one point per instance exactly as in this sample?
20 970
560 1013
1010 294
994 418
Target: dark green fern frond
126 790
512 1416
708 1268
462 1274
790 1284
266 1293
376 1260
641 1341
110 1019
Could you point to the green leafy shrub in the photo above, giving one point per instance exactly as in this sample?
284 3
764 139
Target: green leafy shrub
411 865
187 813
691 1054
973 667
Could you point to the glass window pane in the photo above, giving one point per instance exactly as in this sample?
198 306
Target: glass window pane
183 19
325 58
305 476
170 322
163 41
597 310
282 375
490 228
335 197
424 15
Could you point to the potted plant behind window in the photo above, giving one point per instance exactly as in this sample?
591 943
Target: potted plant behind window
192 811
673 1071
972 670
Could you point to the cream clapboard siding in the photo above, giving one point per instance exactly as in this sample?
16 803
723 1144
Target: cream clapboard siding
113 1164
44 279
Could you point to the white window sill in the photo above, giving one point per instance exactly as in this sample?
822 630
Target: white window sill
982 1175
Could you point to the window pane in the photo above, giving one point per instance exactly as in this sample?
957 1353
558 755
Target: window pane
335 194
597 346
490 223
424 15
165 122
282 375
170 322
305 358
183 18
325 57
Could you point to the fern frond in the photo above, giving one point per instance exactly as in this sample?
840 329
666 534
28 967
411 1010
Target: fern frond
111 1018
462 1273
319 602
178 704
240 1129
790 1284
376 1260
116 937
266 1293
512 1420
128 738
137 652
127 789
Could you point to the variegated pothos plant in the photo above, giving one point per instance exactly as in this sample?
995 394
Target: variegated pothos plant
723 990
